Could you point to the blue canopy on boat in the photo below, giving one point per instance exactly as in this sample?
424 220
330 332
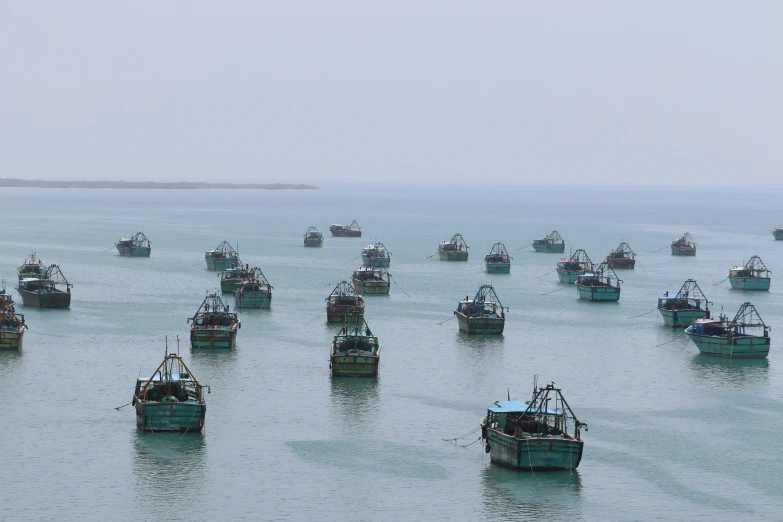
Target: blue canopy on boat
519 407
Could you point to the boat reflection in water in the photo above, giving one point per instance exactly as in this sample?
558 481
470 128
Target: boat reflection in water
355 403
510 495
739 374
169 466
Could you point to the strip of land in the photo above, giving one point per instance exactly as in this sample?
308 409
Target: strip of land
25 183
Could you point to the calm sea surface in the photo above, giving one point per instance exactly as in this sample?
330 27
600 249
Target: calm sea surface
673 435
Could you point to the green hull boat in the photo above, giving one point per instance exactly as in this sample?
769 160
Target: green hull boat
733 339
355 351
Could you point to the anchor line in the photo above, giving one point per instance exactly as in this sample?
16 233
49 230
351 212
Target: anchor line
472 443
553 291
433 255
664 248
719 282
398 285
645 313
672 340
539 277
520 248
440 323
463 435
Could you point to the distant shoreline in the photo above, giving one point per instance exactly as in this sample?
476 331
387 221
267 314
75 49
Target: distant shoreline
153 185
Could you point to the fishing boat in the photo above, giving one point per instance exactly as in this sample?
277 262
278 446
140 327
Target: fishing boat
352 230
12 325
745 336
538 435
136 245
376 255
552 243
32 267
222 257
602 284
684 307
777 233
454 249
484 314
355 351
43 292
570 268
622 257
685 246
254 292
233 275
343 301
371 281
753 275
313 238
213 326
172 399
498 261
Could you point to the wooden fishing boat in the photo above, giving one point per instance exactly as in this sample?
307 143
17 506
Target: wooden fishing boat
355 352
723 338
602 284
371 281
570 268
552 243
254 292
685 246
313 238
777 233
684 307
43 292
376 255
622 257
538 435
343 301
352 230
454 249
483 314
222 257
136 245
233 275
32 267
498 261
213 326
12 325
172 399
754 275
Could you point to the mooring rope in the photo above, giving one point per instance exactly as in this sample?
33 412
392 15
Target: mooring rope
664 248
553 291
671 341
471 432
398 285
520 248
449 319
645 313
539 277
719 282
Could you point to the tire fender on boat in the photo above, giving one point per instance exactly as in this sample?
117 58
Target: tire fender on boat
487 448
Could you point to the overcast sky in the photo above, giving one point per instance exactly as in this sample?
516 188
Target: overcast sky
525 92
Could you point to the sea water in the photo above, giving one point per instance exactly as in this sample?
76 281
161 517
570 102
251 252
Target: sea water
672 434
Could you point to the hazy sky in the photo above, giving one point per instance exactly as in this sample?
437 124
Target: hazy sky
526 92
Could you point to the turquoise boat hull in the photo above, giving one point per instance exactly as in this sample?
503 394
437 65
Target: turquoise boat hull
250 300
170 416
134 251
371 287
452 255
778 234
498 268
737 347
481 325
220 264
681 318
683 251
749 283
354 365
535 453
383 262
213 336
549 249
566 276
227 286
11 338
607 294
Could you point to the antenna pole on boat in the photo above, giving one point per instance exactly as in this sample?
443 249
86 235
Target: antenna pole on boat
177 345
167 346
